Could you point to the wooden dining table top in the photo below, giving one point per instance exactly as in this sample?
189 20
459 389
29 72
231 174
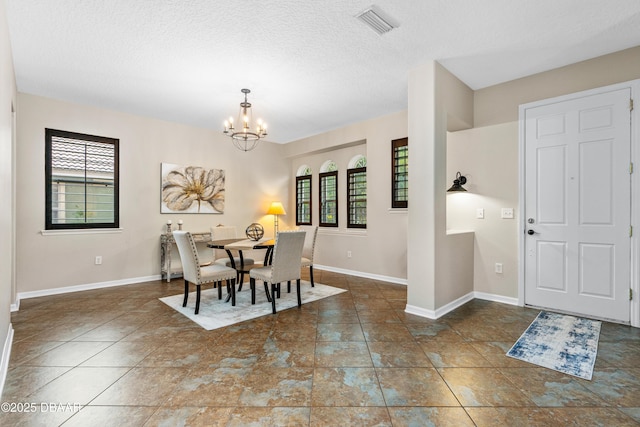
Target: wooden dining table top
241 244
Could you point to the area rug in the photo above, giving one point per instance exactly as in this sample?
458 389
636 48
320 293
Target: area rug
215 313
560 342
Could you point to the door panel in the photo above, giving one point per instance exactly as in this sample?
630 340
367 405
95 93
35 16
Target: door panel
552 269
578 192
551 179
596 183
596 270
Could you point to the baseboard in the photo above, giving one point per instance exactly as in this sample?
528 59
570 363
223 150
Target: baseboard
131 281
419 311
85 287
447 308
496 298
6 355
454 304
379 277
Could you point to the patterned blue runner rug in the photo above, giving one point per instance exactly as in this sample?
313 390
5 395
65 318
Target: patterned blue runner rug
560 342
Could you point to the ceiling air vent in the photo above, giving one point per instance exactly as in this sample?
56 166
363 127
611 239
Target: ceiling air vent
377 20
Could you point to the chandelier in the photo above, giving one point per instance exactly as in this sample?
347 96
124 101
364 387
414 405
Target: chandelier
245 138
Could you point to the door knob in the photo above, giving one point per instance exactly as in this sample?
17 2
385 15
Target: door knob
530 232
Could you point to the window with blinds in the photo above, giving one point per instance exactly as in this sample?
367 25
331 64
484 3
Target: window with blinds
357 197
81 173
303 200
329 199
400 173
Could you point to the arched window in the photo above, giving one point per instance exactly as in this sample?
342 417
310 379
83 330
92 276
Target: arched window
328 194
358 161
303 195
303 170
357 192
329 166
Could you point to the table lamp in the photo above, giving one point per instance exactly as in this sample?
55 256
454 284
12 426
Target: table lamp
276 209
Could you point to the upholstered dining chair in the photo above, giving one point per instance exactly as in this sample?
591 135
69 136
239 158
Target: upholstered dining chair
194 273
286 265
221 232
308 249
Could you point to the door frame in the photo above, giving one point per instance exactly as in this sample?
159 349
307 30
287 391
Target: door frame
634 279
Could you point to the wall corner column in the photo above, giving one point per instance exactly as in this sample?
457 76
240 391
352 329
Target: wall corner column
422 213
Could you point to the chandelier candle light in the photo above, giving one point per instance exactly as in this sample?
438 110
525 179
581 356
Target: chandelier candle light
247 137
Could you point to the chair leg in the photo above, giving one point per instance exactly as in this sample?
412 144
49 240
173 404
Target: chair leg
229 288
240 281
197 298
298 289
186 293
219 285
233 291
288 286
266 291
252 285
278 289
311 275
273 300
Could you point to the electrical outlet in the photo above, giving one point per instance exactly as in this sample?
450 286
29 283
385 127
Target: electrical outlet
498 268
348 254
480 213
99 260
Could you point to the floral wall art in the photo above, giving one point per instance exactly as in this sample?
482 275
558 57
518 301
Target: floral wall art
191 189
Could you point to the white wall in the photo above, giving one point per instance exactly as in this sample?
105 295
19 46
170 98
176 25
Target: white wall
7 192
380 251
253 180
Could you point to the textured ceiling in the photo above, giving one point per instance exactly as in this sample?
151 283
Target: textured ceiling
311 65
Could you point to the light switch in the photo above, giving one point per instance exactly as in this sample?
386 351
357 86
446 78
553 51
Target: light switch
480 213
507 213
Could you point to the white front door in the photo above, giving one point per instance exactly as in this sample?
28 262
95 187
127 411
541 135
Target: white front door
578 205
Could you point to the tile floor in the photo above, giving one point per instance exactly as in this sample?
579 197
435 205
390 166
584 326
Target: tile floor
120 357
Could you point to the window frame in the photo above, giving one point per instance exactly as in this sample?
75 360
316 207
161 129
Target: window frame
322 177
50 134
395 202
308 200
350 197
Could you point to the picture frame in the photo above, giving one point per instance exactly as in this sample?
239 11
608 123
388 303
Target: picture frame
191 189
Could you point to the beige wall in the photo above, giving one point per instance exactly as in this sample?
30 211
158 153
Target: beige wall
253 180
379 251
454 253
488 154
437 274
7 192
437 102
499 103
488 157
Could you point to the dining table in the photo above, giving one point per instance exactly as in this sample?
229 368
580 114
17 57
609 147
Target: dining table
239 245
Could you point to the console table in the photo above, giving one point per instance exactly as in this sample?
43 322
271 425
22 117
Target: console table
166 242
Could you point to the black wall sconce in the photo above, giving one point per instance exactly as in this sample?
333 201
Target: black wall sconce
458 183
